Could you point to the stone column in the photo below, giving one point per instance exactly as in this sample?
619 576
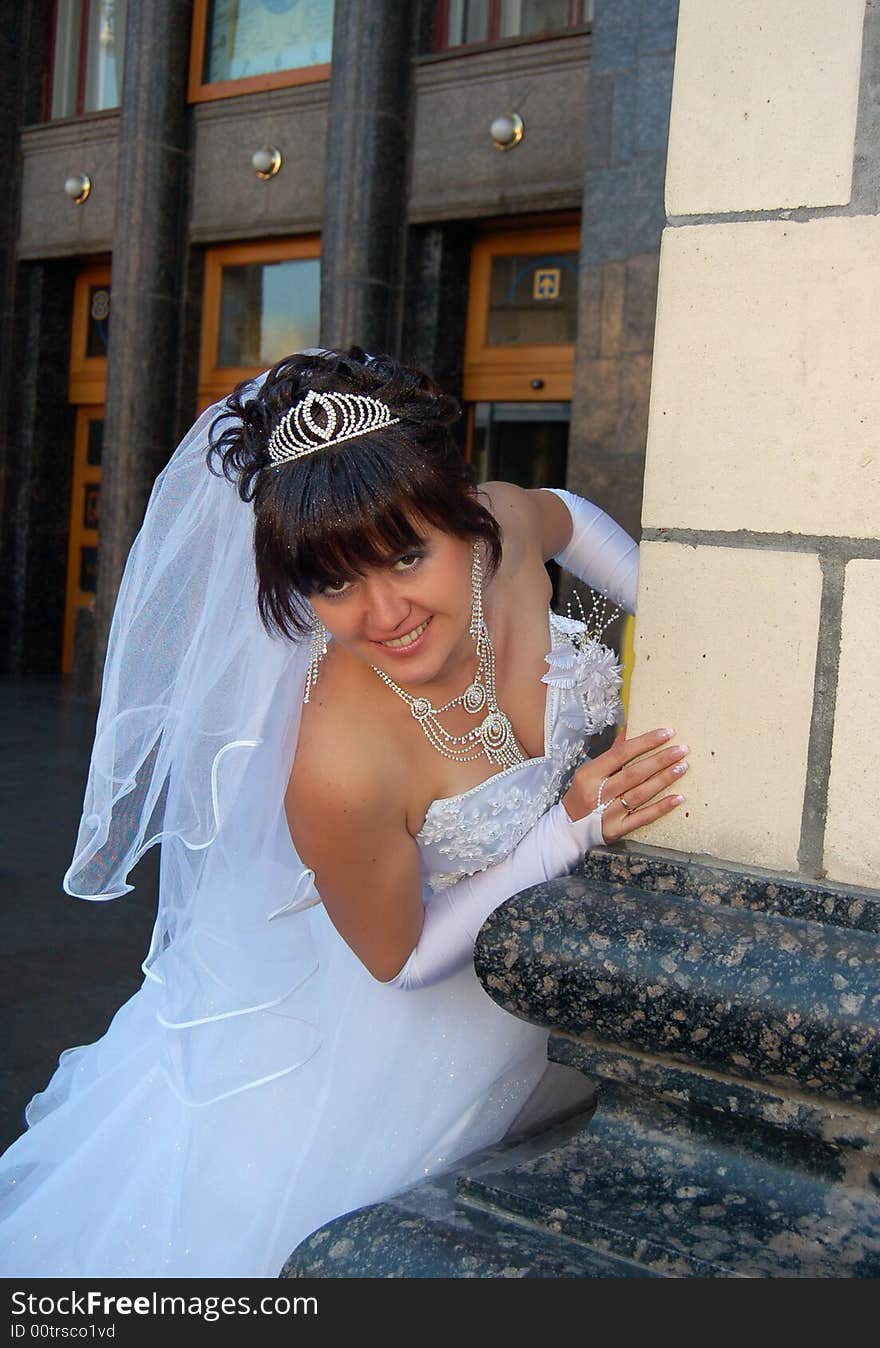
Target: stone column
757 635
631 64
23 40
140 420
41 433
438 265
366 173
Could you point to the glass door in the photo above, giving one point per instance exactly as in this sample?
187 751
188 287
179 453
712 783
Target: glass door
85 500
525 443
87 391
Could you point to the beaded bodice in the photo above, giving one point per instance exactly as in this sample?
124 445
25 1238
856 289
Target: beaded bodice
468 832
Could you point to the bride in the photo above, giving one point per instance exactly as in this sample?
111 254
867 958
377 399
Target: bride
336 694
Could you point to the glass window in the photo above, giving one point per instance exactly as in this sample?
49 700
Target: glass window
87 56
532 300
95 442
468 22
98 334
88 570
463 21
268 310
245 38
91 505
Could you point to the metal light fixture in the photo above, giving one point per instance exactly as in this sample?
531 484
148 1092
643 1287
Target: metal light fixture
78 186
266 161
507 131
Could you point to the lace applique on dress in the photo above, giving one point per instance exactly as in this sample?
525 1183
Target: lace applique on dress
466 833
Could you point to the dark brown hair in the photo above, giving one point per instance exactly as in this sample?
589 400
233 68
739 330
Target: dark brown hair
324 519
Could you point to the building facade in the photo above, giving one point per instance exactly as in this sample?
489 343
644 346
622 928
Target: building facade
199 187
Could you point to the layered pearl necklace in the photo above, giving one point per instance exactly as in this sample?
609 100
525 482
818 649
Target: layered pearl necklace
494 736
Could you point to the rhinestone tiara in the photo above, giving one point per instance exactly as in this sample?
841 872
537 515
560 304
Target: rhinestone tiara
346 415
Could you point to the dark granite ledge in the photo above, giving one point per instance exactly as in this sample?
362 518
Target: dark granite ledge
745 887
755 995
849 1127
731 1022
684 1199
639 1190
424 1231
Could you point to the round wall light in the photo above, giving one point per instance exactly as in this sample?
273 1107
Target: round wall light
507 131
266 161
78 186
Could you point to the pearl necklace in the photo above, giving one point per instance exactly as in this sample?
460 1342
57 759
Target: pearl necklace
494 735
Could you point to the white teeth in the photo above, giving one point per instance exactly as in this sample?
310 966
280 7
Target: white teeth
409 638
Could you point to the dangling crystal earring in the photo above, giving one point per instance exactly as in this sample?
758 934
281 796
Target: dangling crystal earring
319 650
476 594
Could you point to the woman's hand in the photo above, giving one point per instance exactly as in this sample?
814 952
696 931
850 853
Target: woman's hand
625 780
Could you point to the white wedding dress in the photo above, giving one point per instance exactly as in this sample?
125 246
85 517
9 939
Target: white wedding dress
119 1176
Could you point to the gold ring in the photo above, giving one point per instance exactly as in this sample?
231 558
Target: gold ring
623 802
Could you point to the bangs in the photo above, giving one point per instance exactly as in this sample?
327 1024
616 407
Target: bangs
355 510
323 557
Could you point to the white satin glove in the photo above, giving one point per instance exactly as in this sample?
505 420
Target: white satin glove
453 916
600 553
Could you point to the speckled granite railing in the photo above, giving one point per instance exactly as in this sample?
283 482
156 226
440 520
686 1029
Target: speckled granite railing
773 998
732 1022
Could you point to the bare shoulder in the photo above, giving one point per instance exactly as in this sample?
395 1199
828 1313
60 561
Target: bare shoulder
334 769
514 510
346 810
532 520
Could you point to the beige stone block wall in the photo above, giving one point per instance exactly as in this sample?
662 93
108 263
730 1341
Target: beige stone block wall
764 104
852 835
725 652
765 397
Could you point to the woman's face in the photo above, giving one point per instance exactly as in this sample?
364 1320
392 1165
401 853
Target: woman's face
411 616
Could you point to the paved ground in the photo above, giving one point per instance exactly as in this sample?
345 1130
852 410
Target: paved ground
65 964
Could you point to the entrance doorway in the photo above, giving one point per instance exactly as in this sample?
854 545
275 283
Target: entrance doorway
519 354
525 443
87 391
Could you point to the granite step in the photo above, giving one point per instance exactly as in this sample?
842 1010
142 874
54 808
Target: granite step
756 995
682 1194
391 1241
730 1023
641 1188
426 1231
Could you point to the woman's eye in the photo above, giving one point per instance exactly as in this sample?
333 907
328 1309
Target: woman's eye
336 588
408 561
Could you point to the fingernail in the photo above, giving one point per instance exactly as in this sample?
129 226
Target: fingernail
666 734
680 768
679 800
683 748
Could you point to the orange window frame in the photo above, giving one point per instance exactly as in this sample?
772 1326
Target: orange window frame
82 533
88 374
508 373
87 390
216 381
201 92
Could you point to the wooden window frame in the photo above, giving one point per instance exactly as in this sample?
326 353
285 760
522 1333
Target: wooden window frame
216 381
505 373
201 92
493 35
80 535
88 374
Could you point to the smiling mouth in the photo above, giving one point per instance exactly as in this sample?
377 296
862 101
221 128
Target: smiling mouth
409 638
